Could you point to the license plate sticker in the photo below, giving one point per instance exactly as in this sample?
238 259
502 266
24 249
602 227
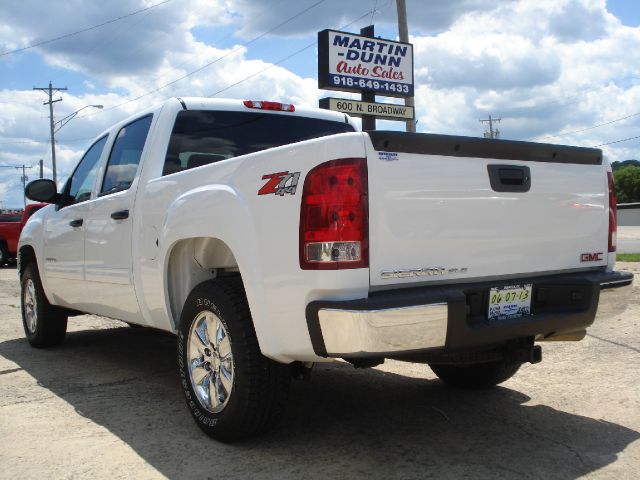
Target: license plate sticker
509 302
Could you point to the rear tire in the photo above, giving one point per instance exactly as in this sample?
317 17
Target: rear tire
481 375
231 389
44 325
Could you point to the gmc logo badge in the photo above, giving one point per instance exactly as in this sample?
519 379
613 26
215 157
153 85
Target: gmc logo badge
591 257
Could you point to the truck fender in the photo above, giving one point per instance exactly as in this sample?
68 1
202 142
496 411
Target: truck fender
193 215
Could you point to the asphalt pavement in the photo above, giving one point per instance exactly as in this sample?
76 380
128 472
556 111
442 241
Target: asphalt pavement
107 405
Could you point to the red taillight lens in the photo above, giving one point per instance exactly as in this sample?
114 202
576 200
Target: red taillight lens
334 223
613 213
265 105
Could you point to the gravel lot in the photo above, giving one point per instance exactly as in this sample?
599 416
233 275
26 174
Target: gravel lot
107 404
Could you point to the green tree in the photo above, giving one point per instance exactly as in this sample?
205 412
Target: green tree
627 180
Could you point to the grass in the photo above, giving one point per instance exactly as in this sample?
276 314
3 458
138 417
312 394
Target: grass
628 257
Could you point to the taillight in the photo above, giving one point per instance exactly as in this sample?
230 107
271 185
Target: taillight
334 223
264 105
613 215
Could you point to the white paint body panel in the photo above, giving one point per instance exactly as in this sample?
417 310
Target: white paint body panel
430 211
424 211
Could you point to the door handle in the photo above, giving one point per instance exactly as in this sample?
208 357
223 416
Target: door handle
120 215
76 223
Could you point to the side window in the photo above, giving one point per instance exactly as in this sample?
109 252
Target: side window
125 156
81 182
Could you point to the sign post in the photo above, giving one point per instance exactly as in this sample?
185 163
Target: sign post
368 122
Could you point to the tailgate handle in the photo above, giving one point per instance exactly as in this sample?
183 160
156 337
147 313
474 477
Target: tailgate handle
509 178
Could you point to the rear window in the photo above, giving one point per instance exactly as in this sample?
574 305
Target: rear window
201 137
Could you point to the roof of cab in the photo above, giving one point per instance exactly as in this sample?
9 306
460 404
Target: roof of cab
203 103
196 103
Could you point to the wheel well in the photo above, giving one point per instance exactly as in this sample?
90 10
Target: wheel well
26 255
193 261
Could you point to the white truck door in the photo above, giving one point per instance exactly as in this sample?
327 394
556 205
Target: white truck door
108 237
64 232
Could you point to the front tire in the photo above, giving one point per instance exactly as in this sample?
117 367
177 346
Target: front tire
44 325
231 389
481 375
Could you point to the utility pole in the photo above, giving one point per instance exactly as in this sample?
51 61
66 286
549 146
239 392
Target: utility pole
24 181
41 162
403 32
24 177
50 90
491 133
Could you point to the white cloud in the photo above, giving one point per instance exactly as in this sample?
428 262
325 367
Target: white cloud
545 66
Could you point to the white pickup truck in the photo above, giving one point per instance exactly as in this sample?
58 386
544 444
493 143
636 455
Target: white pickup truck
269 237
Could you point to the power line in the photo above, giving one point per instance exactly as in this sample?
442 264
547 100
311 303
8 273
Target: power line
282 60
193 72
72 140
561 134
617 141
67 35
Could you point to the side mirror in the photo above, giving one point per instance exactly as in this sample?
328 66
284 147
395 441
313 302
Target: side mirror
42 190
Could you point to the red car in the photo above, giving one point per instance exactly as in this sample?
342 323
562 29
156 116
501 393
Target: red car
10 228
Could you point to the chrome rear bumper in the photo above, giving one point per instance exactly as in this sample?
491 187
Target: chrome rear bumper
385 330
441 319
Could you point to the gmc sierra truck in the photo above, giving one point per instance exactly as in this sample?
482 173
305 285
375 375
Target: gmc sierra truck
269 237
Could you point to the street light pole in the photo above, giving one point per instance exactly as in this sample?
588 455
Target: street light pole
71 116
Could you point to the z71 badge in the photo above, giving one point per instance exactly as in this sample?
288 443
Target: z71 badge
281 183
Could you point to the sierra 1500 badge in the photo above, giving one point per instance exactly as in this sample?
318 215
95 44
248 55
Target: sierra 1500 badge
281 183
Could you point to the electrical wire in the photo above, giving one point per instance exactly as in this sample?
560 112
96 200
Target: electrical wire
617 141
46 141
561 134
71 34
284 59
193 72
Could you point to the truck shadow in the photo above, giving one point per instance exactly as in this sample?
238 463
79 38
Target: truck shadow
343 423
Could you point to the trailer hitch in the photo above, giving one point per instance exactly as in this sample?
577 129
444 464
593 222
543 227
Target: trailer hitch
525 354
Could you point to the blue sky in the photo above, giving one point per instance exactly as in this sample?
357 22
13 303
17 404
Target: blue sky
559 71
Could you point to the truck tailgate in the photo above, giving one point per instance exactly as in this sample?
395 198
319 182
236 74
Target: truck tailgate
443 208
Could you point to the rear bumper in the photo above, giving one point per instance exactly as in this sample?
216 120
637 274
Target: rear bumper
451 318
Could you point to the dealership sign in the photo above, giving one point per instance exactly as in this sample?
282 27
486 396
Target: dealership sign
356 108
354 63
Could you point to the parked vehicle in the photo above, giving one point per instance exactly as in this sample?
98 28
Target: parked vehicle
268 237
10 228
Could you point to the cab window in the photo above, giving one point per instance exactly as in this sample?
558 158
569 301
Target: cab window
125 156
81 183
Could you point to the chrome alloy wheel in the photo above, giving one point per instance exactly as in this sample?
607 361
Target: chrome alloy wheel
30 305
210 361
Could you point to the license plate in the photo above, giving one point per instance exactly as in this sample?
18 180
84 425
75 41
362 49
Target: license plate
509 302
